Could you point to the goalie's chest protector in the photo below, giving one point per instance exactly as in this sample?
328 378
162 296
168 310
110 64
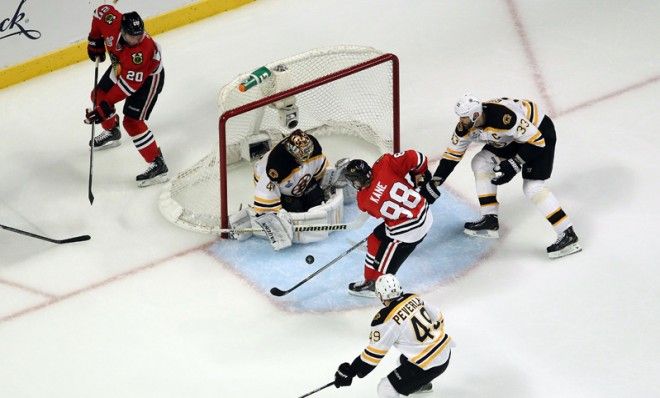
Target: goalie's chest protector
392 197
293 178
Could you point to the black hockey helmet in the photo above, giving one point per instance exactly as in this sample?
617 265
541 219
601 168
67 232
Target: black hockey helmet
132 24
358 173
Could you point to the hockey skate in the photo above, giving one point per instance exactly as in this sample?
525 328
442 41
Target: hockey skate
486 227
156 173
107 139
363 288
428 387
567 243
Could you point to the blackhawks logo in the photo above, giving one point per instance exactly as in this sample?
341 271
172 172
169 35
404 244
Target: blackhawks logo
109 19
137 58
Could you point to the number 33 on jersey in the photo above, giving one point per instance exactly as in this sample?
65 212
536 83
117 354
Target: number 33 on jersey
392 197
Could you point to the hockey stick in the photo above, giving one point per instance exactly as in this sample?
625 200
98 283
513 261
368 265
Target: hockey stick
279 293
58 241
355 224
90 195
317 390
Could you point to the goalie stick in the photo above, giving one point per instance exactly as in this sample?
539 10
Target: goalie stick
58 241
317 390
355 224
279 292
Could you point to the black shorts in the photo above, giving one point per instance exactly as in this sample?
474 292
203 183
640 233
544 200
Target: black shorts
396 258
141 103
313 196
539 168
408 378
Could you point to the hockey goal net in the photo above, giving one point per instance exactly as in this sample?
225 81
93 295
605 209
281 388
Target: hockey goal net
346 93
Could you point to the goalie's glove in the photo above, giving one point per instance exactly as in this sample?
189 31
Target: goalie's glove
340 166
506 170
430 189
334 177
344 375
240 220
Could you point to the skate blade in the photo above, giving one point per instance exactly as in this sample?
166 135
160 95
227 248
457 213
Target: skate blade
364 293
570 249
482 234
153 181
111 144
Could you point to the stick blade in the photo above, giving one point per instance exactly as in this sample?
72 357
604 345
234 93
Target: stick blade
75 239
277 292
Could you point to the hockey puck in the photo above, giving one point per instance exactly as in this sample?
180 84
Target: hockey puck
309 259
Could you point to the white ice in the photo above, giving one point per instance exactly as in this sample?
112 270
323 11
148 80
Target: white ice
142 310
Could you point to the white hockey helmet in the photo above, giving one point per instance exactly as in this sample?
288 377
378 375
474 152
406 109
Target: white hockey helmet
388 287
468 106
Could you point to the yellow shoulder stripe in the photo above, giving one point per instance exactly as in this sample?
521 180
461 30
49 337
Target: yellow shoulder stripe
399 306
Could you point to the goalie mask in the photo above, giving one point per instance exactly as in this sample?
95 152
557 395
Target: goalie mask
358 173
299 144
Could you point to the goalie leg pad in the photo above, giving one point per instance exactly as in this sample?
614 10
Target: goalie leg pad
330 212
241 220
277 227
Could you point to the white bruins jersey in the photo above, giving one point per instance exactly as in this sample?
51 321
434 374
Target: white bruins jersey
277 173
506 121
414 328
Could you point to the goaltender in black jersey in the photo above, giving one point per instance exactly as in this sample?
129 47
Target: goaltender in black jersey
289 176
412 326
293 185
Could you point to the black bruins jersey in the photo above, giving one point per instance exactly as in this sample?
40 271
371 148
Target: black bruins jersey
278 173
413 327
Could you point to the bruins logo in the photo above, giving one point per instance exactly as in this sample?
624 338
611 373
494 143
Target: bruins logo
137 58
109 19
273 173
506 119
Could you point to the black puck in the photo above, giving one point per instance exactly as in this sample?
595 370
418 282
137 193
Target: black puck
309 259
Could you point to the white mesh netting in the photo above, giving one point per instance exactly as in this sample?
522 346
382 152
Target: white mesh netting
359 105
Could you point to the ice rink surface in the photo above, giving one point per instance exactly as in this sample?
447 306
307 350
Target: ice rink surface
146 309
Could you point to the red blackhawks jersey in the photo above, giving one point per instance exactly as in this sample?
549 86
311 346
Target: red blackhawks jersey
393 197
106 24
135 63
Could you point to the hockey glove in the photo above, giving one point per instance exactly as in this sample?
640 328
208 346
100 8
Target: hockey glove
430 190
344 375
95 49
506 170
97 115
